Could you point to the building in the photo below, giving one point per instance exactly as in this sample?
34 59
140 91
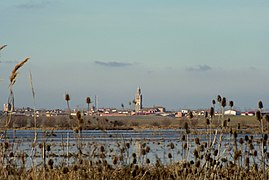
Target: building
232 112
138 100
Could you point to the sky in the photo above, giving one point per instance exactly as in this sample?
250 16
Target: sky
182 53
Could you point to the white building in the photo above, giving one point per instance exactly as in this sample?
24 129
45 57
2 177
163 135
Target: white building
232 112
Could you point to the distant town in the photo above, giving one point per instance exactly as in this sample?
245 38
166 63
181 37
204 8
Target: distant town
137 110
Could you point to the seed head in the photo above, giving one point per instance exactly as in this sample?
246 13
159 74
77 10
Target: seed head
206 114
207 121
223 102
67 97
258 115
260 105
88 100
169 155
213 102
197 141
231 104
211 112
219 98
266 117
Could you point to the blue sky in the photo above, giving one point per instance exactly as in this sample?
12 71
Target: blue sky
182 53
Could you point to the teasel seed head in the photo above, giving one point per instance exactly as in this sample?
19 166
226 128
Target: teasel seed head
241 141
67 97
238 126
260 105
147 149
172 146
219 98
183 138
197 141
231 104
88 100
216 152
225 123
169 155
206 114
211 112
196 153
223 102
191 115
258 115
79 115
213 102
207 121
246 138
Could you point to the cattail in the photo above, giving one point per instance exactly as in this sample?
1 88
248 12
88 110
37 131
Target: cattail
260 105
223 102
211 112
258 115
231 104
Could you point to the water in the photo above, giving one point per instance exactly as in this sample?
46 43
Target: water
63 142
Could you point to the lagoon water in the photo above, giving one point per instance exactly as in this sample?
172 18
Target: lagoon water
63 142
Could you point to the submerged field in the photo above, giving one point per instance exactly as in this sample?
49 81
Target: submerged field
188 148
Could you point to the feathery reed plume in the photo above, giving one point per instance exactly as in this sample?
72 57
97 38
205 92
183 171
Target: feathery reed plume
14 73
12 78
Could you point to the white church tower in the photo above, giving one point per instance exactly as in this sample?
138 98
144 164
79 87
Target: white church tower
138 100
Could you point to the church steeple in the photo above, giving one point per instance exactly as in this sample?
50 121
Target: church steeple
138 100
